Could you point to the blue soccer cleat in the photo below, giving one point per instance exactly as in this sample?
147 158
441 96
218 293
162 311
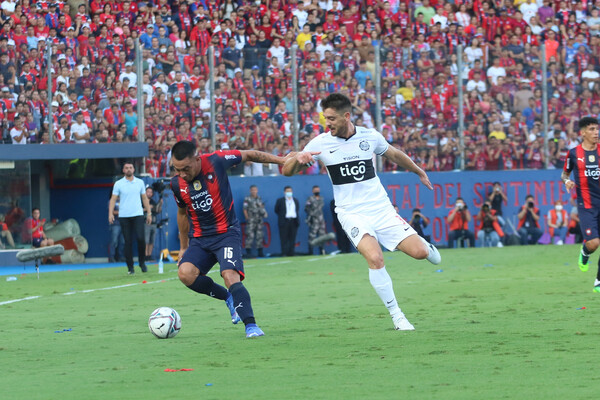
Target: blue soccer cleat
252 330
235 318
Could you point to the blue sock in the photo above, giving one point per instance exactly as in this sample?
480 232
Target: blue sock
241 302
204 285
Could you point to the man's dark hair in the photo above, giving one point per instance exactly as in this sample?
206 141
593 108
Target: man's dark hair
316 186
587 121
182 150
252 186
34 208
338 102
286 188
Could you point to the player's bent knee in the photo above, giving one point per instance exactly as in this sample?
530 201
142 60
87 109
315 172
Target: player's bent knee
230 276
187 273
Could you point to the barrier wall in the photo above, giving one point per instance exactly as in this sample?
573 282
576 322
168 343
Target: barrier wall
89 205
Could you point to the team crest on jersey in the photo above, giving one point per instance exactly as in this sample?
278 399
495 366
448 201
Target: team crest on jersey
197 185
592 158
364 145
210 177
354 232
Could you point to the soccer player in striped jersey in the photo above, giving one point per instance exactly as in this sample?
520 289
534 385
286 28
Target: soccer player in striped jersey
209 231
584 162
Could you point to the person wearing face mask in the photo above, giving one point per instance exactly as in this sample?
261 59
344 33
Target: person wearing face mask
287 209
557 223
459 218
314 217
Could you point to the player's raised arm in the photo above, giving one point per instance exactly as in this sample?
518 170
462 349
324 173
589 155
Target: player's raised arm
400 158
261 157
299 162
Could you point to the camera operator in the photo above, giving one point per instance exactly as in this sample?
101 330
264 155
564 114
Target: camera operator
489 228
529 225
459 218
496 197
419 222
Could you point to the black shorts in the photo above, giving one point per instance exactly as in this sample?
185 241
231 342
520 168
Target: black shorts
36 242
589 221
224 248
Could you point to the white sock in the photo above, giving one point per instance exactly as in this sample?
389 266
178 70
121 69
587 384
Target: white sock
596 282
382 283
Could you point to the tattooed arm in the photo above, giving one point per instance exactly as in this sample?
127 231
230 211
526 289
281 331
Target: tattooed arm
569 184
261 157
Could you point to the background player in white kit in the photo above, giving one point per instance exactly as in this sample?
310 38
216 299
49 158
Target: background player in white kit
362 204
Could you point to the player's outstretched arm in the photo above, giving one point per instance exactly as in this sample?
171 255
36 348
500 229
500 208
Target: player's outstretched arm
400 158
261 157
298 162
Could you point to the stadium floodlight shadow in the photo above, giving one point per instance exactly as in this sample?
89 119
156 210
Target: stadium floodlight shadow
39 254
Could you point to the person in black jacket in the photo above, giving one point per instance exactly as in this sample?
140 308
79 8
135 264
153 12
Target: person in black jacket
287 210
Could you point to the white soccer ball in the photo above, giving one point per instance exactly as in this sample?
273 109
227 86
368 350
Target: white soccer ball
164 323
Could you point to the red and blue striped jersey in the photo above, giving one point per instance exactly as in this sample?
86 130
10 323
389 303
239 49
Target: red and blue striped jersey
586 171
208 198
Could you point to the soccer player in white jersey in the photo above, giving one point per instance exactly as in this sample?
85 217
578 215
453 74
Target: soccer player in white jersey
362 204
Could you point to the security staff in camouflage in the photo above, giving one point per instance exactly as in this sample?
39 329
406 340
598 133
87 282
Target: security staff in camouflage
314 217
254 212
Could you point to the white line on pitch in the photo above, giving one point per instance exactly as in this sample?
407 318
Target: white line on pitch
17 300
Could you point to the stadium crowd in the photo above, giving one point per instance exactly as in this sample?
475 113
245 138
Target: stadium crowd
94 83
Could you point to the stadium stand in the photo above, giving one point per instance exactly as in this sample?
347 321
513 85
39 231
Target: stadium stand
94 84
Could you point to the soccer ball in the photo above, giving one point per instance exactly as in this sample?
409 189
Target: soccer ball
164 323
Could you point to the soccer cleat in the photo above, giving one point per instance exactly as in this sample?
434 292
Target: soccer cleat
583 261
597 289
252 330
402 324
235 318
434 256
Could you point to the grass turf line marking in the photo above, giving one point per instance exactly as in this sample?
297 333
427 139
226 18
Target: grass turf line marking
115 287
17 300
121 286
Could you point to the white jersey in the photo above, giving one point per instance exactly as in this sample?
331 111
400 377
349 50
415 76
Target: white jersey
349 162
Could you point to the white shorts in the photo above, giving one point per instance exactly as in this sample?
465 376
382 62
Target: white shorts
387 227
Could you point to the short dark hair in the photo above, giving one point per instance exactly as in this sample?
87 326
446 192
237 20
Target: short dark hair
316 186
182 150
587 121
337 102
34 208
286 188
252 186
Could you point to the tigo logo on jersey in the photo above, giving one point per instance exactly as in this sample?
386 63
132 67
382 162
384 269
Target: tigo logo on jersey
593 173
203 205
351 172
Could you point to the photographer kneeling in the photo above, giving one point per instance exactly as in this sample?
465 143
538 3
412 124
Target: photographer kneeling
490 230
459 218
529 225
419 222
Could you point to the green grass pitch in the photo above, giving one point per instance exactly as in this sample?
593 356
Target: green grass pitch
500 323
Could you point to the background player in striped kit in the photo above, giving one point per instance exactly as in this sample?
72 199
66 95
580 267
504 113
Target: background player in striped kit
583 161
